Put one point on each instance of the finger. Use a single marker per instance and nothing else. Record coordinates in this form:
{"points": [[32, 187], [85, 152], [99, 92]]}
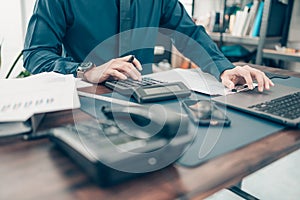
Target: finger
{"points": [[259, 76], [117, 75], [132, 71], [135, 61], [127, 61], [228, 83], [235, 76], [247, 76], [127, 68], [260, 81], [263, 81], [268, 82], [137, 64]]}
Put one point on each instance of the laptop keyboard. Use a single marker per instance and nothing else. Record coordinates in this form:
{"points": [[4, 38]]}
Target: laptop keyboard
{"points": [[287, 106]]}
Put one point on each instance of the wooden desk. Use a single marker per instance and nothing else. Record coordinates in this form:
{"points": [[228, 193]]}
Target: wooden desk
{"points": [[37, 170]]}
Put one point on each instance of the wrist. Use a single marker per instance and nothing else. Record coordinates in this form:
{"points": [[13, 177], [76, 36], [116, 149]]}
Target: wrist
{"points": [[83, 68], [222, 75]]}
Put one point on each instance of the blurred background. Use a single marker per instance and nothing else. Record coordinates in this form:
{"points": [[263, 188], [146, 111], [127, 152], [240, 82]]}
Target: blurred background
{"points": [[14, 16]]}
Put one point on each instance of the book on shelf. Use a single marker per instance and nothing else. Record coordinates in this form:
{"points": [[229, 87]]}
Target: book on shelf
{"points": [[242, 22], [251, 17], [238, 23], [257, 22], [246, 22], [245, 19], [232, 22]]}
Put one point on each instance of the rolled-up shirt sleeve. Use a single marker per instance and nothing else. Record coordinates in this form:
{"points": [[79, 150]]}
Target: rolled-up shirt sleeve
{"points": [[43, 42], [192, 40]]}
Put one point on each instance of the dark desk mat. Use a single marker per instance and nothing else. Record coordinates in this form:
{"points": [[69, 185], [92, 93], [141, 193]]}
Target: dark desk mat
{"points": [[213, 141], [245, 129]]}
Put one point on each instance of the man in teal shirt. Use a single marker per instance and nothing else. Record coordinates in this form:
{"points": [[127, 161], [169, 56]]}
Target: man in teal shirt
{"points": [[64, 34]]}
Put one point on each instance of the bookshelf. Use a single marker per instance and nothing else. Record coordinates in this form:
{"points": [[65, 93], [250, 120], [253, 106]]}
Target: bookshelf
{"points": [[273, 54], [269, 33], [244, 40]]}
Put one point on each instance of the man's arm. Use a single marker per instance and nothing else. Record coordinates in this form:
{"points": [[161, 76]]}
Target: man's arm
{"points": [[43, 46], [192, 40], [43, 43], [195, 43]]}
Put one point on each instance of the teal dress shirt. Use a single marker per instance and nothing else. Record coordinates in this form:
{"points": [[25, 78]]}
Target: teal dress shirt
{"points": [[63, 33]]}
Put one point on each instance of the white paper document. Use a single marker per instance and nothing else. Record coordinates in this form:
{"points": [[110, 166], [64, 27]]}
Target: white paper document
{"points": [[82, 84], [194, 79], [45, 92]]}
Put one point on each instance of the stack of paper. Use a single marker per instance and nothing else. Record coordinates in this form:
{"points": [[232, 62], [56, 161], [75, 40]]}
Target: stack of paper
{"points": [[45, 92]]}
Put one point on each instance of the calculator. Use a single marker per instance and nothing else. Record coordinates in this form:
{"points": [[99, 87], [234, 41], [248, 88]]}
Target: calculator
{"points": [[149, 90]]}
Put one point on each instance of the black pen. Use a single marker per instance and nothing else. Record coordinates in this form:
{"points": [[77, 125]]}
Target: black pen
{"points": [[131, 59]]}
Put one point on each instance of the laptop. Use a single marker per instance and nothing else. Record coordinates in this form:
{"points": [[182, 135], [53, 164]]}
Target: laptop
{"points": [[280, 104]]}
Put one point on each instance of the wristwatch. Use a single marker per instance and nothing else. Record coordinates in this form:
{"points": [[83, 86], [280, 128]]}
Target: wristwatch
{"points": [[84, 67]]}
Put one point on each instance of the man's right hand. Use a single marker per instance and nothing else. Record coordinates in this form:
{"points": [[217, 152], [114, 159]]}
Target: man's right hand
{"points": [[118, 68]]}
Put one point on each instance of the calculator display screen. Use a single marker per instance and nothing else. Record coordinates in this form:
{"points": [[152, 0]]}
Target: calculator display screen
{"points": [[162, 89]]}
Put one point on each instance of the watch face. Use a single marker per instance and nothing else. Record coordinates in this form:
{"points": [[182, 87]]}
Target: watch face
{"points": [[83, 67]]}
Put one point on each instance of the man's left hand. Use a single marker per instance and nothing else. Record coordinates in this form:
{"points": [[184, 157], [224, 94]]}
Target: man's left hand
{"points": [[245, 75]]}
